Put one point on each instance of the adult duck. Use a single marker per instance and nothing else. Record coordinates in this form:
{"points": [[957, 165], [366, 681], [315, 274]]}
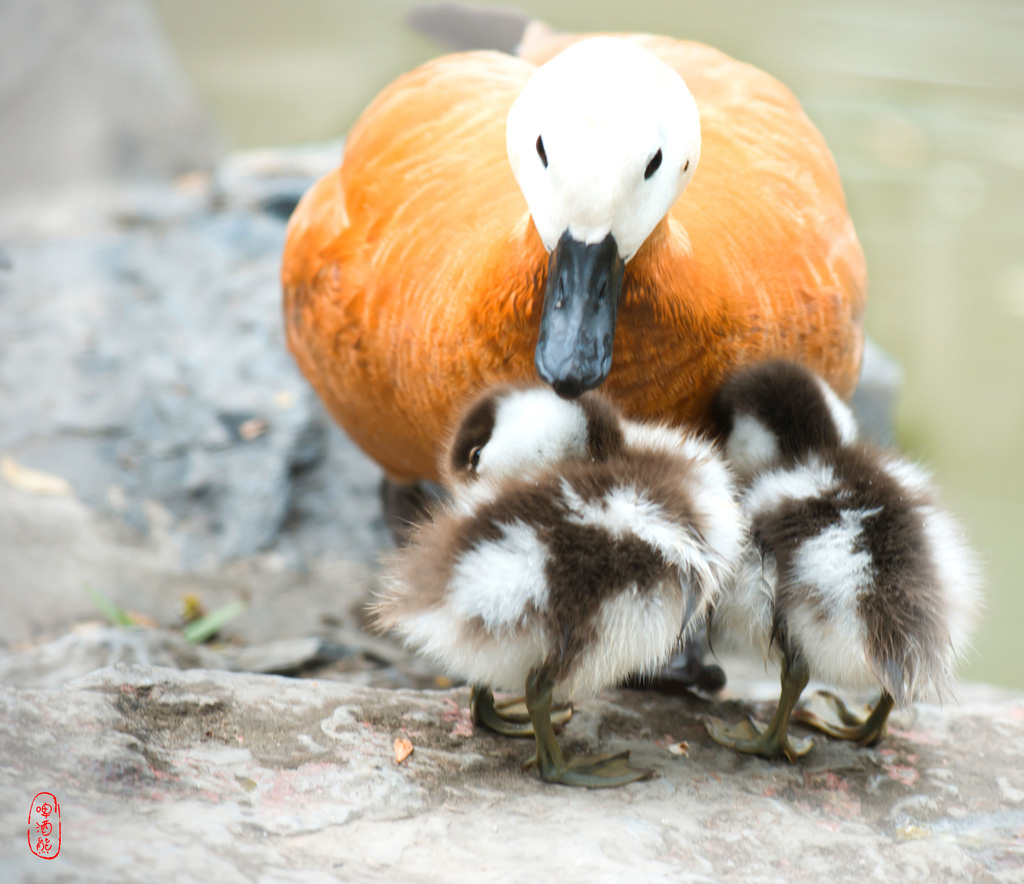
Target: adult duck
{"points": [[498, 217]]}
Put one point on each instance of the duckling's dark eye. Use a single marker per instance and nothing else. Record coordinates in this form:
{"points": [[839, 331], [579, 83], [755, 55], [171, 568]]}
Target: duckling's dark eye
{"points": [[652, 166], [540, 151], [474, 457]]}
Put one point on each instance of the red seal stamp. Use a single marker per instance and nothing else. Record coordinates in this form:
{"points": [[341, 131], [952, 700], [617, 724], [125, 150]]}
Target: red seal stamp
{"points": [[44, 826]]}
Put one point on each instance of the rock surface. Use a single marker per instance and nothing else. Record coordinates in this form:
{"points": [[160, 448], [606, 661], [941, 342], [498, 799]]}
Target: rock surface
{"points": [[142, 361], [209, 776]]}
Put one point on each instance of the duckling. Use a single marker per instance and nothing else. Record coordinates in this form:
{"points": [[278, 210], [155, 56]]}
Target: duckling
{"points": [[855, 575], [531, 429], [575, 551]]}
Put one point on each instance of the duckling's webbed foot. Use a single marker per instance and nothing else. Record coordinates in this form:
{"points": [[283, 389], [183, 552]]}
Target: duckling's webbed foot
{"points": [[753, 738], [774, 740], [593, 772], [510, 718], [846, 724]]}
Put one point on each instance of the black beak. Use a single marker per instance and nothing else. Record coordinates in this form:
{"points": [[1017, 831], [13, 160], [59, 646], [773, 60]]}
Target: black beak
{"points": [[577, 326]]}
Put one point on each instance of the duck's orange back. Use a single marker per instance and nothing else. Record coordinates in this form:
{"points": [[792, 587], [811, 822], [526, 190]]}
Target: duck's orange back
{"points": [[413, 276]]}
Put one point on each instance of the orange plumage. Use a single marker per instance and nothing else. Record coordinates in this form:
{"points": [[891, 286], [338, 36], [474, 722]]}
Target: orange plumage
{"points": [[413, 275]]}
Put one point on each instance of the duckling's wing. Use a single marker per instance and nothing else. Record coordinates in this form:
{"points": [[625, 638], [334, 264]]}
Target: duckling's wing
{"points": [[920, 632]]}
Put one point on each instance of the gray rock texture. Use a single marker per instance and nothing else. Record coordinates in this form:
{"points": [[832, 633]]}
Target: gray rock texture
{"points": [[142, 360], [210, 776], [342, 653]]}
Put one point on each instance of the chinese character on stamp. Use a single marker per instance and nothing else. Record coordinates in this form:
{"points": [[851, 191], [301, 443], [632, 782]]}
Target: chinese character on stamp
{"points": [[44, 826]]}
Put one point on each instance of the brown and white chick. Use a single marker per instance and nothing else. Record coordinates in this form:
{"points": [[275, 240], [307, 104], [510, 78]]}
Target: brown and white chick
{"points": [[576, 549], [855, 576]]}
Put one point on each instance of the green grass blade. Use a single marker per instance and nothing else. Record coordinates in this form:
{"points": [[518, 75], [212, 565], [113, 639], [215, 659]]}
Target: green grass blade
{"points": [[117, 616], [205, 627]]}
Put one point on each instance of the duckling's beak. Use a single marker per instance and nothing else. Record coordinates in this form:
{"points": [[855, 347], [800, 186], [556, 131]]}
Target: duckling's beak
{"points": [[577, 326]]}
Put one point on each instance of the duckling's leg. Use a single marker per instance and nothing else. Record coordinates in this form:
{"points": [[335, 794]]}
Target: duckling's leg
{"points": [[509, 718], [594, 772], [850, 726], [773, 741]]}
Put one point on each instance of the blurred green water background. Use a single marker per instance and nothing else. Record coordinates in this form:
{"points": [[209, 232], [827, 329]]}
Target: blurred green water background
{"points": [[923, 106]]}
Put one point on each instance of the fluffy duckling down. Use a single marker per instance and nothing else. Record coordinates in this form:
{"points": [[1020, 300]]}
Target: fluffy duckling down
{"points": [[855, 574], [575, 551]]}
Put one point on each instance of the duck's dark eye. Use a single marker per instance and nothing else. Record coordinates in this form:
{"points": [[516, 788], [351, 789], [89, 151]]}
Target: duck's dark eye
{"points": [[686, 165], [540, 151], [652, 166], [474, 457]]}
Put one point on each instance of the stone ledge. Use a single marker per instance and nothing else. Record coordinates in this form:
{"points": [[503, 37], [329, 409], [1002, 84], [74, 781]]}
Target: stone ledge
{"points": [[232, 777]]}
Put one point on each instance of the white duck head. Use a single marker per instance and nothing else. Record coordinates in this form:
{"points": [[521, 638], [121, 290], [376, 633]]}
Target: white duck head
{"points": [[602, 140]]}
